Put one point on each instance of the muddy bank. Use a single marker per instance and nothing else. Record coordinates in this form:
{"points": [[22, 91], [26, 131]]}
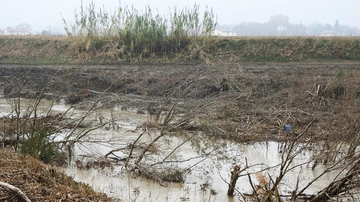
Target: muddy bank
{"points": [[237, 101], [159, 80]]}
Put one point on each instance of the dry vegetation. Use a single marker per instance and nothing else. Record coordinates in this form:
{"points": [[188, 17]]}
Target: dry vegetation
{"points": [[242, 102], [204, 77], [34, 49], [129, 36], [65, 50], [40, 182]]}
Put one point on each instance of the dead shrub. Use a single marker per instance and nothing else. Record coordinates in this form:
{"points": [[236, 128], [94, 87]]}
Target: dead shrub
{"points": [[73, 98]]}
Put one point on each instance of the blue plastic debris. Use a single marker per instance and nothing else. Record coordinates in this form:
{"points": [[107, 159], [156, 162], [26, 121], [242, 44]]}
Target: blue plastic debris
{"points": [[287, 128]]}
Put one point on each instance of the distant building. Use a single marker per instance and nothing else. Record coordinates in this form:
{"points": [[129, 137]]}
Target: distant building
{"points": [[1, 32], [223, 33], [328, 33], [11, 31], [21, 30], [281, 28]]}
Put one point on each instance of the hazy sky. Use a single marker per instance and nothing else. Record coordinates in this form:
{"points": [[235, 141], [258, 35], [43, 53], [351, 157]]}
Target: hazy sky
{"points": [[44, 14]]}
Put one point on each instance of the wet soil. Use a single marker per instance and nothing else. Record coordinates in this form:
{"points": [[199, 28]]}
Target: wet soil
{"points": [[159, 80], [242, 99], [242, 102]]}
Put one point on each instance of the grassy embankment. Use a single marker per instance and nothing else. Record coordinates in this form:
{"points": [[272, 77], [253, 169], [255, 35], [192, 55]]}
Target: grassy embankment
{"points": [[68, 50], [128, 36]]}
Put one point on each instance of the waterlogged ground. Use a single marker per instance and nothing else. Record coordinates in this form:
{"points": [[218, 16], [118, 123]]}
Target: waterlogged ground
{"points": [[115, 182], [209, 169], [237, 102]]}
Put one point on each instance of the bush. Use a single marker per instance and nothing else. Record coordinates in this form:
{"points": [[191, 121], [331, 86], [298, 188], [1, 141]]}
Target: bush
{"points": [[40, 147], [72, 98]]}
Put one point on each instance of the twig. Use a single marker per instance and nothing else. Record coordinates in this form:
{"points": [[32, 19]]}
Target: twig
{"points": [[132, 147], [164, 160]]}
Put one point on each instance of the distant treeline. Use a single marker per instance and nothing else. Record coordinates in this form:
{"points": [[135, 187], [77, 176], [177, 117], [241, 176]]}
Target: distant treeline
{"points": [[279, 25]]}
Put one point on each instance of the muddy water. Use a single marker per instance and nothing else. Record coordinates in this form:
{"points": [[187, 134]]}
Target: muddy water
{"points": [[115, 182], [212, 169]]}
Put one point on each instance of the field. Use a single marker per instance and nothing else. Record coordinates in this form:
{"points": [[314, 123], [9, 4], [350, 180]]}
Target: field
{"points": [[244, 89]]}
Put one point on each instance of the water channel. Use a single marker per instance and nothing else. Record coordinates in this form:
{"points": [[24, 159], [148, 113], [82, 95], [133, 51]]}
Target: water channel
{"points": [[210, 162]]}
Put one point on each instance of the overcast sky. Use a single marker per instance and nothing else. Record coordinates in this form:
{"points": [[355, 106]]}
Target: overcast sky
{"points": [[44, 14]]}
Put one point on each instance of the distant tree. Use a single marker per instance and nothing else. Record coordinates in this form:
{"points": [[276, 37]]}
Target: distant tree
{"points": [[315, 29], [46, 32], [279, 20], [23, 28], [337, 27], [270, 28], [223, 27], [252, 29], [296, 30], [348, 31], [328, 27]]}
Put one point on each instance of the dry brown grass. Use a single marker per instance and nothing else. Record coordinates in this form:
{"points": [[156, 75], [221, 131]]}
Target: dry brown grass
{"points": [[34, 49], [260, 101], [61, 49], [262, 179], [33, 37], [41, 182]]}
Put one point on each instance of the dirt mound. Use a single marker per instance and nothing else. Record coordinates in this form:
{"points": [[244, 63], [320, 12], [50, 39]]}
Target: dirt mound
{"points": [[40, 182]]}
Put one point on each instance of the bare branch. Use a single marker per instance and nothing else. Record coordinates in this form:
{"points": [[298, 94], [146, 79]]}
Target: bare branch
{"points": [[16, 190]]}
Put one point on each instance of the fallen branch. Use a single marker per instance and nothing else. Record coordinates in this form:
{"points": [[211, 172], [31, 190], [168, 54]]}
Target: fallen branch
{"points": [[331, 102], [16, 190], [337, 187]]}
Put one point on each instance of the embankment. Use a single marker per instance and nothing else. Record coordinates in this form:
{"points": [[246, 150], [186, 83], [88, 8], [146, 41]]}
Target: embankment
{"points": [[64, 50]]}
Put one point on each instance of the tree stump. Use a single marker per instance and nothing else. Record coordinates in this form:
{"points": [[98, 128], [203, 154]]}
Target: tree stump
{"points": [[234, 177]]}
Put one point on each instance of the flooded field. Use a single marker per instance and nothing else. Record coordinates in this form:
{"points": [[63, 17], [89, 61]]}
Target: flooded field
{"points": [[99, 157], [210, 173], [157, 133]]}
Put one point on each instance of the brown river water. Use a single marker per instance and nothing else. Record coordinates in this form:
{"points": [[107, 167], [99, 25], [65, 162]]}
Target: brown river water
{"points": [[212, 169]]}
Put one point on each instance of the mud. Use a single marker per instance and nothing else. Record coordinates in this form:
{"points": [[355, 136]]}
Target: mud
{"points": [[233, 96], [241, 102], [157, 80]]}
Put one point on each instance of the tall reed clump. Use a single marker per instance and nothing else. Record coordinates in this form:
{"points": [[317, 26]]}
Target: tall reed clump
{"points": [[131, 36]]}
